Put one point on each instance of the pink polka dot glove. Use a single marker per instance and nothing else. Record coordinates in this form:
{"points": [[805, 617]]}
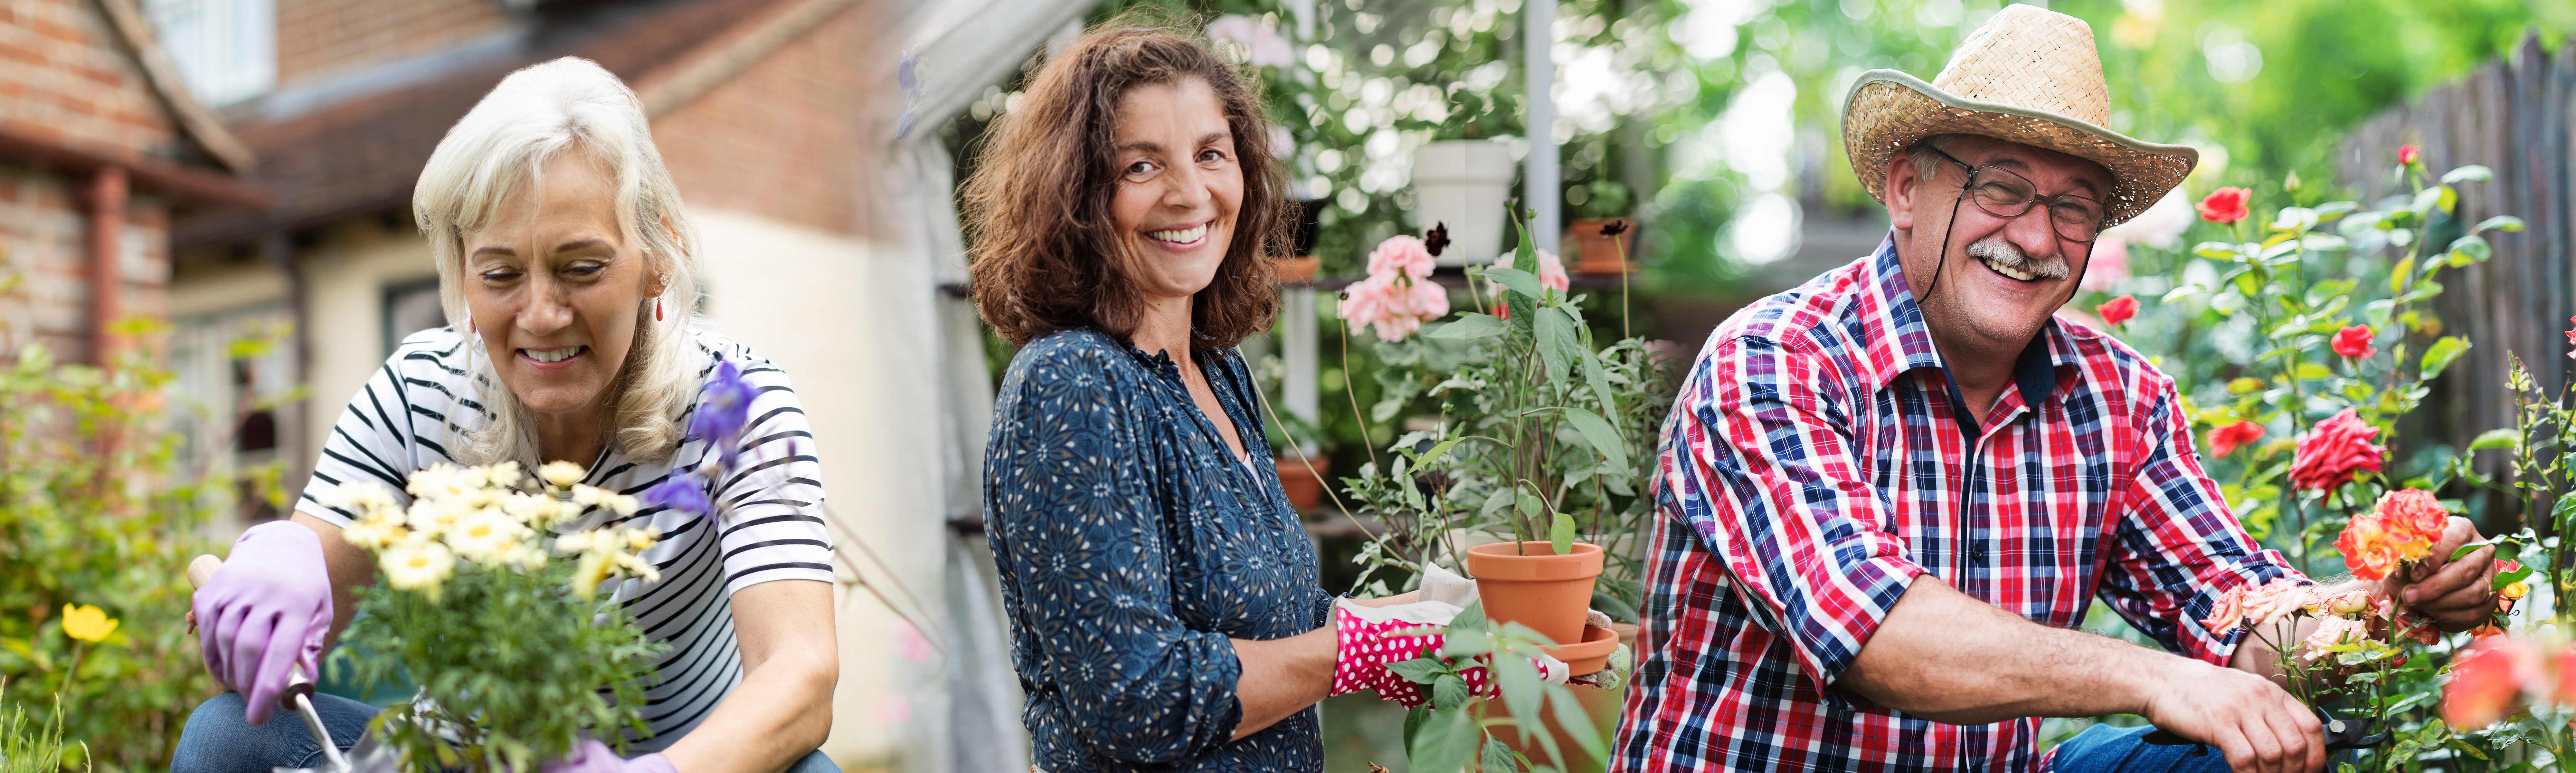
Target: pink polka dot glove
{"points": [[1368, 639]]}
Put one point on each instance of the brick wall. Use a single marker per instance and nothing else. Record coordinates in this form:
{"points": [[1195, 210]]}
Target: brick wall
{"points": [[65, 77], [44, 246], [321, 37], [791, 138]]}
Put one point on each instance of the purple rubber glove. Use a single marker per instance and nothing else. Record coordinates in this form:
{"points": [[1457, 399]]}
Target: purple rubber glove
{"points": [[594, 757], [267, 609]]}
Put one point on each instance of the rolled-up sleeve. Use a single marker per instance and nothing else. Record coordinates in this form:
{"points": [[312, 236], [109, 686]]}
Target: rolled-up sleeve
{"points": [[1768, 480], [1073, 526], [2176, 548]]}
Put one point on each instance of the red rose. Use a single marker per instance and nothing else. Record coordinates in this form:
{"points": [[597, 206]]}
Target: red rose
{"points": [[2224, 206], [2332, 454], [2119, 310], [2354, 342], [2227, 438], [2406, 155]]}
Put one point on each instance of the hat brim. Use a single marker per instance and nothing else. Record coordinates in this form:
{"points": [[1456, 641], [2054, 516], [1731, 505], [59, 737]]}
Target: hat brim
{"points": [[1888, 111]]}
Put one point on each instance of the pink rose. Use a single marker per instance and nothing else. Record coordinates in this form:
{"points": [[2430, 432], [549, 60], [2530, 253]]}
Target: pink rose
{"points": [[2224, 206], [2354, 342]]}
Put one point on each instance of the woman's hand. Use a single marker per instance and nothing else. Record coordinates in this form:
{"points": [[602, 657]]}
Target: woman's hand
{"points": [[265, 611], [594, 757]]}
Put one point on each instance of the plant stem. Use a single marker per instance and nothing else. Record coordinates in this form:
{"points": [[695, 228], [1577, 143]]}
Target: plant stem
{"points": [[1351, 387]]}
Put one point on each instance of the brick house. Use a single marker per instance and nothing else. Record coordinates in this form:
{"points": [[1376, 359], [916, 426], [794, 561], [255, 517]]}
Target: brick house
{"points": [[101, 147]]}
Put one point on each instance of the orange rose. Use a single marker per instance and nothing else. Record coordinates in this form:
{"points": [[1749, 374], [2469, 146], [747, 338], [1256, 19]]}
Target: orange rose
{"points": [[2414, 516], [2482, 686]]}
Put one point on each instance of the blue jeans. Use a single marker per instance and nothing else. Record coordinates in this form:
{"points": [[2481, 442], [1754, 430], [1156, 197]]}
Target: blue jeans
{"points": [[216, 739], [2107, 749]]}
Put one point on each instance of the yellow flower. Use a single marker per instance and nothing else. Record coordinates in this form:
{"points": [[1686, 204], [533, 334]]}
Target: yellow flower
{"points": [[87, 623]]}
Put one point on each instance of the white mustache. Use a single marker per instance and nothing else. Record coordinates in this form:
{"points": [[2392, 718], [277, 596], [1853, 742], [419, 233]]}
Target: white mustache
{"points": [[2000, 250]]}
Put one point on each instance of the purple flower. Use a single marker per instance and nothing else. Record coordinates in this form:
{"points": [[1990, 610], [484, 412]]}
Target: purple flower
{"points": [[680, 492], [720, 417]]}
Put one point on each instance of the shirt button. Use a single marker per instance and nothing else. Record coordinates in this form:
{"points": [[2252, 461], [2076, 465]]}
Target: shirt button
{"points": [[1977, 552]]}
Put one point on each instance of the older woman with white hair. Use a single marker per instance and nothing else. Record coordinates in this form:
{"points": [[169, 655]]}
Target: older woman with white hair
{"points": [[569, 276]]}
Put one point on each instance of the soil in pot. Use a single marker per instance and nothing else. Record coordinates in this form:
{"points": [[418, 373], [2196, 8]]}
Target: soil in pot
{"points": [[1528, 583]]}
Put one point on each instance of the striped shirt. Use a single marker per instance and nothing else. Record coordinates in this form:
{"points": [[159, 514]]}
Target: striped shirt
{"points": [[1818, 461], [420, 404]]}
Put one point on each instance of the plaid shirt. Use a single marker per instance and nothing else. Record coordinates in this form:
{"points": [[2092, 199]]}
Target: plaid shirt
{"points": [[1818, 461]]}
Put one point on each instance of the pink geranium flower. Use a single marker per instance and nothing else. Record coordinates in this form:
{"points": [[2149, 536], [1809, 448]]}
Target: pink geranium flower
{"points": [[1398, 295]]}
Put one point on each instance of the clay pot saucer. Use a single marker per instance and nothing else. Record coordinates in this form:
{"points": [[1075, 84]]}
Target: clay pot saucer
{"points": [[1591, 654]]}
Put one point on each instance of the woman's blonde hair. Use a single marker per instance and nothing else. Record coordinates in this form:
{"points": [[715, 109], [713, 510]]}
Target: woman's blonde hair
{"points": [[568, 105]]}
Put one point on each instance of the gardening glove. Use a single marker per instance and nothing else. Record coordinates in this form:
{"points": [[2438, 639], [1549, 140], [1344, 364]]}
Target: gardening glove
{"points": [[1446, 586], [1368, 639], [594, 757], [265, 611]]}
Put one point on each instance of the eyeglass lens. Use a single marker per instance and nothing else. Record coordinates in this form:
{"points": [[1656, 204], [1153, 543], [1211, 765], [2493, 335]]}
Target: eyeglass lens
{"points": [[2003, 193]]}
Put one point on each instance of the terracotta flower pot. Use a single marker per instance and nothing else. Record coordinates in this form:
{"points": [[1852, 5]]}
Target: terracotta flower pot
{"points": [[1297, 269], [1528, 583], [1305, 488], [1602, 706], [1597, 254]]}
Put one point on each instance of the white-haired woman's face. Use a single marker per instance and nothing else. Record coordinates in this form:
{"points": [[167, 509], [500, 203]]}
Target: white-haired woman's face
{"points": [[553, 286]]}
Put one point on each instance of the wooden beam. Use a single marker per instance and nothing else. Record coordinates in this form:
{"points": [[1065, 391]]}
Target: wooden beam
{"points": [[183, 184]]}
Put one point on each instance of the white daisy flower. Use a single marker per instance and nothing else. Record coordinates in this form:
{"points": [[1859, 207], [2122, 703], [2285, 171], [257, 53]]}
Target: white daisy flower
{"points": [[561, 474], [418, 566], [486, 537]]}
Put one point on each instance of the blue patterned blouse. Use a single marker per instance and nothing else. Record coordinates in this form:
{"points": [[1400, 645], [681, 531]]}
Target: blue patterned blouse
{"points": [[1132, 545]]}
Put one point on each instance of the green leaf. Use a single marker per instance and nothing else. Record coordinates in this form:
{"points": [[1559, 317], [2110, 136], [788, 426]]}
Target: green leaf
{"points": [[2309, 371], [2441, 353], [1448, 692], [1599, 377], [1419, 670], [1518, 678], [2426, 200], [2472, 173], [1556, 342], [2215, 250], [1413, 719], [2507, 439], [2473, 246], [2508, 578], [1561, 532], [2335, 209], [1470, 619], [1497, 757], [1438, 450], [1445, 741], [1598, 431], [1571, 719], [1518, 281], [2505, 223], [1469, 327], [2397, 274]]}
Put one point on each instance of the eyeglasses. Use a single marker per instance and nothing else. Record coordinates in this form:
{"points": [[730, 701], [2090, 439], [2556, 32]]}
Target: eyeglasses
{"points": [[2006, 194]]}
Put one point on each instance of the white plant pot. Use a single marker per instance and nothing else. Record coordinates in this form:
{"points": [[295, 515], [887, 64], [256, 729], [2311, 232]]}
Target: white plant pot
{"points": [[1464, 184]]}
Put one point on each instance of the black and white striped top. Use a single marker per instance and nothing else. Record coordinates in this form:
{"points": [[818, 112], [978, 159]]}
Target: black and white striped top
{"points": [[421, 403]]}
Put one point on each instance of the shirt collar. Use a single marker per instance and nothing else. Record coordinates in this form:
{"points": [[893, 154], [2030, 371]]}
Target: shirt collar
{"points": [[1899, 340]]}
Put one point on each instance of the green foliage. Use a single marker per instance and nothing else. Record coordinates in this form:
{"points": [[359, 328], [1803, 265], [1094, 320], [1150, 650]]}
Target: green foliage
{"points": [[1443, 735], [512, 650], [28, 745], [96, 510], [1544, 435]]}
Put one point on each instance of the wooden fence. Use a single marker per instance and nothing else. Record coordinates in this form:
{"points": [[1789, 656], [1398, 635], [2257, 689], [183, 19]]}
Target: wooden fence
{"points": [[2513, 116]]}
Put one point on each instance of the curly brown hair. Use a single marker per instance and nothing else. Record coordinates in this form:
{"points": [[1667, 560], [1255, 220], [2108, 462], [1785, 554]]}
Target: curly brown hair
{"points": [[1046, 254]]}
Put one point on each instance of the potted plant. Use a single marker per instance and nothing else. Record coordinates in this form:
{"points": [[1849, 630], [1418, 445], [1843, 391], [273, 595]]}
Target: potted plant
{"points": [[1541, 452], [1599, 240], [1464, 183]]}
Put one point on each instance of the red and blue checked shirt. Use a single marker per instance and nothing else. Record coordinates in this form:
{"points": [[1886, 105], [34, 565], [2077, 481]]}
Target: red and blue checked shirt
{"points": [[1817, 462]]}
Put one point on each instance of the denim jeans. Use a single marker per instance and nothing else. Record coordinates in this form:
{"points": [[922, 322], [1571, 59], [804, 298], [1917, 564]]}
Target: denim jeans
{"points": [[216, 739], [2107, 749]]}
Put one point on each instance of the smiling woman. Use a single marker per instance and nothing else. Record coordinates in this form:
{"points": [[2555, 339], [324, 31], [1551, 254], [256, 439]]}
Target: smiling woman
{"points": [[567, 272]]}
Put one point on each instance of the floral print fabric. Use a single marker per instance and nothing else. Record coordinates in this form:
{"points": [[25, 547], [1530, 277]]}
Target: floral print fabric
{"points": [[1132, 545]]}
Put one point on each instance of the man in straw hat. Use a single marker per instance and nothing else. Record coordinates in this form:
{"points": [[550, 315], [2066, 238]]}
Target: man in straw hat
{"points": [[1890, 495]]}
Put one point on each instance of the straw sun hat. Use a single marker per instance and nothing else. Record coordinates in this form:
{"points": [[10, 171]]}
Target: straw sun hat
{"points": [[2031, 76]]}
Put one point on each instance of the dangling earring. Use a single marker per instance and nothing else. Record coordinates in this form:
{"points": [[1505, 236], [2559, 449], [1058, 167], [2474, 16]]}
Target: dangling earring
{"points": [[657, 309], [469, 327]]}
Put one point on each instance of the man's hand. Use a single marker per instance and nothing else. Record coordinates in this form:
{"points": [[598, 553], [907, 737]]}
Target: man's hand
{"points": [[2457, 595], [2257, 725]]}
